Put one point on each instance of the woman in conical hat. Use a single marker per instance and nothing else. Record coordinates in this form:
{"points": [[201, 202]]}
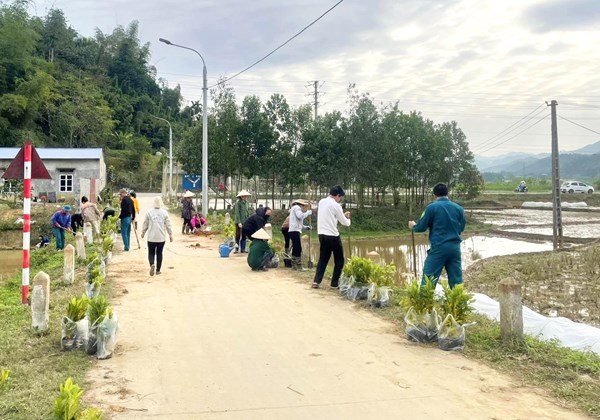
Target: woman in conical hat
{"points": [[260, 254]]}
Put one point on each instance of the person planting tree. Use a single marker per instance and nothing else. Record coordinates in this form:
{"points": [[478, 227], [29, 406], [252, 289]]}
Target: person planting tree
{"points": [[445, 221], [260, 254], [329, 214], [255, 222], [61, 221], [298, 213]]}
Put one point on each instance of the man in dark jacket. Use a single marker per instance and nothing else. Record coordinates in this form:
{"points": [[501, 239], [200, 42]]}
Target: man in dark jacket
{"points": [[256, 221], [127, 215], [445, 221]]}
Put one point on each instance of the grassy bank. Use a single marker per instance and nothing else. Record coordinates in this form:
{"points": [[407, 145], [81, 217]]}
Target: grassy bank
{"points": [[36, 363]]}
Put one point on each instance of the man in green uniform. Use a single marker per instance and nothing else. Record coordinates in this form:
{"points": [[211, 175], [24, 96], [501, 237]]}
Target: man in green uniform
{"points": [[260, 254], [445, 221]]}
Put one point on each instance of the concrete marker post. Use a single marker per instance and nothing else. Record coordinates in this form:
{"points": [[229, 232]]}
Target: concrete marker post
{"points": [[511, 310], [69, 264]]}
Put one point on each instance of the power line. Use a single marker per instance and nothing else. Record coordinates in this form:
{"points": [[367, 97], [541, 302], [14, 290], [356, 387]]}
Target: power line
{"points": [[508, 129], [579, 125], [516, 135], [282, 45]]}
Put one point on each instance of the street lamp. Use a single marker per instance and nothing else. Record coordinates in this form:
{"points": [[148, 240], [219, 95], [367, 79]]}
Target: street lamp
{"points": [[170, 156], [204, 126]]}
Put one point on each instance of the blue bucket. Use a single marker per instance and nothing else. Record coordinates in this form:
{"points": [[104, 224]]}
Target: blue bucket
{"points": [[224, 250]]}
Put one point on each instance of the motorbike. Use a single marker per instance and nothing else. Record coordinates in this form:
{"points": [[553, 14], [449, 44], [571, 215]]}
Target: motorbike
{"points": [[521, 189]]}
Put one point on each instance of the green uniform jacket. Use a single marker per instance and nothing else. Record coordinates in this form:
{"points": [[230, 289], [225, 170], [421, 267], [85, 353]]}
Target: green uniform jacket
{"points": [[259, 250], [240, 212], [445, 221]]}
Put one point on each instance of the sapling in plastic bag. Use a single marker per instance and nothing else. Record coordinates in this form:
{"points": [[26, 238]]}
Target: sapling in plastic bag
{"points": [[451, 335], [422, 328], [96, 268], [106, 336], [345, 284], [378, 296], [358, 292], [92, 290], [74, 334]]}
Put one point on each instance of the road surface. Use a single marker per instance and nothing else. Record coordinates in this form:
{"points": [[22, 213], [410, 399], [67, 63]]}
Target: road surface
{"points": [[210, 339]]}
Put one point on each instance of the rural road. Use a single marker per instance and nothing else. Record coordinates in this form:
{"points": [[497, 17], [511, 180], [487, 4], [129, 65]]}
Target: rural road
{"points": [[210, 339]]}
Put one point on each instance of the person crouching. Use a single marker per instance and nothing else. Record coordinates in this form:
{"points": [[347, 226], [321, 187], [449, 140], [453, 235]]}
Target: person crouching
{"points": [[260, 254]]}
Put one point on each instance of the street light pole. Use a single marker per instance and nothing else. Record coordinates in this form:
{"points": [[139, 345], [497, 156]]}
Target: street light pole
{"points": [[204, 125], [170, 156]]}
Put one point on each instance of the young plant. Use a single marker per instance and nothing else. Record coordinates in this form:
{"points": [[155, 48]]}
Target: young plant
{"points": [[97, 310], [66, 404], [420, 297], [107, 245], [457, 302], [77, 308], [360, 268], [90, 413], [383, 275]]}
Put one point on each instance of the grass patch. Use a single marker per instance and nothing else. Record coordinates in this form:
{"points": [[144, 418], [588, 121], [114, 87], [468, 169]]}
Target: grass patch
{"points": [[36, 363]]}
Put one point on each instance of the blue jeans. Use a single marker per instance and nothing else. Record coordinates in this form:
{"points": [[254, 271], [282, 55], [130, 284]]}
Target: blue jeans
{"points": [[126, 231], [59, 234], [444, 256]]}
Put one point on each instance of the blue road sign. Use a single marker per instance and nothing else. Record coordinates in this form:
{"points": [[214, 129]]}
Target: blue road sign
{"points": [[192, 182]]}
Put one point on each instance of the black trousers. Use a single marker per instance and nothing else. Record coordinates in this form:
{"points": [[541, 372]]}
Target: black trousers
{"points": [[286, 237], [240, 235], [155, 249], [296, 244], [330, 245]]}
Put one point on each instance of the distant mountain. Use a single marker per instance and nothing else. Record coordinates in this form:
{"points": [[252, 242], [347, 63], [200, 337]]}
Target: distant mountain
{"points": [[572, 166], [583, 162], [496, 163], [590, 149]]}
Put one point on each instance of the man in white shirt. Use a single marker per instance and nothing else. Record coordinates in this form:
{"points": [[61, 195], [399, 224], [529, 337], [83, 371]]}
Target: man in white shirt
{"points": [[329, 214]]}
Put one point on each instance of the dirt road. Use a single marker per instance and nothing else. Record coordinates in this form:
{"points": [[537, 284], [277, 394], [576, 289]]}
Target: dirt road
{"points": [[209, 339]]}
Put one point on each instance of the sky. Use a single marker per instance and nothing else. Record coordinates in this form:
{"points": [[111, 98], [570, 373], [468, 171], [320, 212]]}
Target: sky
{"points": [[489, 65]]}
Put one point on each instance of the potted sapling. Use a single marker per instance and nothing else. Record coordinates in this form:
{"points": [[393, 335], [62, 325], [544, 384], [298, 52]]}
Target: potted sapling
{"points": [[97, 310], [106, 335], [107, 247], [361, 270], [382, 279], [422, 319], [456, 306], [75, 327], [92, 288]]}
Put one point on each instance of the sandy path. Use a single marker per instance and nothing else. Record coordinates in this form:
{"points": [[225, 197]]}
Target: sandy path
{"points": [[209, 339]]}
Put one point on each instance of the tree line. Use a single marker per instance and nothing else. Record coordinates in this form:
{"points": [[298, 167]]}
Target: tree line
{"points": [[61, 89]]}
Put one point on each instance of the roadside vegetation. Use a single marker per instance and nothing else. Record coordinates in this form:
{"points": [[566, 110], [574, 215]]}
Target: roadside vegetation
{"points": [[35, 362]]}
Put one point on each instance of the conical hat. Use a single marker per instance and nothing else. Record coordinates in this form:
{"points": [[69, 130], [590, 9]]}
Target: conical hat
{"points": [[300, 201], [261, 234], [189, 194], [244, 193]]}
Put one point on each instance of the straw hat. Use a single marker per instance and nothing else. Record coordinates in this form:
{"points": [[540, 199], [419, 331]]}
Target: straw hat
{"points": [[261, 234], [300, 201], [244, 193], [188, 194]]}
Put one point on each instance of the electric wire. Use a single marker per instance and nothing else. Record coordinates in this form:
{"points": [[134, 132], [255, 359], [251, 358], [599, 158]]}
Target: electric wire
{"points": [[515, 136], [578, 125], [280, 46], [509, 129]]}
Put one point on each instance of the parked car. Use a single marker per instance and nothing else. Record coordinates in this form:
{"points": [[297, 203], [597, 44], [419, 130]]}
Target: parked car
{"points": [[576, 187]]}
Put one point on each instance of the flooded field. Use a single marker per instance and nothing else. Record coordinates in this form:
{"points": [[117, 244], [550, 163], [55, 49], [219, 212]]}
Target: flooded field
{"points": [[539, 222], [399, 251], [10, 262]]}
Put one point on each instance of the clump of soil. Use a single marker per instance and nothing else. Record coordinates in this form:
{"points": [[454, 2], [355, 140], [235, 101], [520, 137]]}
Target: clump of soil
{"points": [[554, 283]]}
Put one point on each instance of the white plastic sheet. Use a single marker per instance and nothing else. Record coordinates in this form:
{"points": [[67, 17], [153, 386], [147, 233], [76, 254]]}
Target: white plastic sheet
{"points": [[548, 205], [570, 334]]}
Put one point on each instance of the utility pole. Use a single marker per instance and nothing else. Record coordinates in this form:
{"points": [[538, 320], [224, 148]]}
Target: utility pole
{"points": [[557, 230], [315, 85]]}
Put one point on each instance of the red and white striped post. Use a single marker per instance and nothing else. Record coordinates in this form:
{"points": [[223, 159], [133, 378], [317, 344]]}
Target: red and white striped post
{"points": [[26, 221]]}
